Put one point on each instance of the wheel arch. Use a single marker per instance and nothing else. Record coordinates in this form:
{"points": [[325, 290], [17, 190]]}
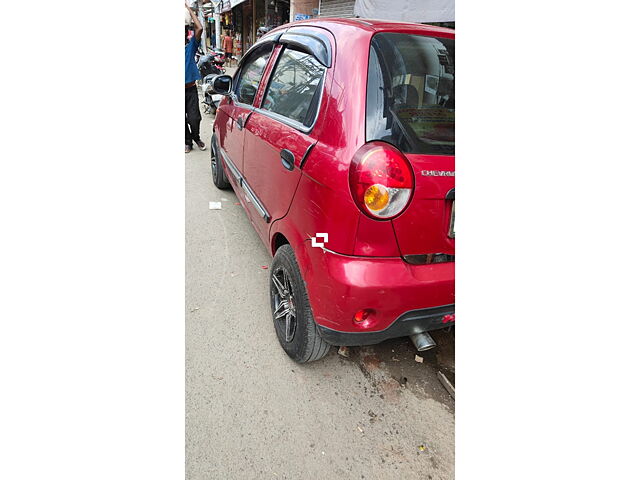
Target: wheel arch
{"points": [[284, 232], [277, 241]]}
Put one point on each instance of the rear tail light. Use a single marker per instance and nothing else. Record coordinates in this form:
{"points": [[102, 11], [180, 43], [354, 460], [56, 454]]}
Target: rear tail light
{"points": [[381, 180]]}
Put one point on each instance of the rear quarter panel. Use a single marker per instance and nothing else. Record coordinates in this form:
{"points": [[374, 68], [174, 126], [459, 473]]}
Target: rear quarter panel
{"points": [[323, 203]]}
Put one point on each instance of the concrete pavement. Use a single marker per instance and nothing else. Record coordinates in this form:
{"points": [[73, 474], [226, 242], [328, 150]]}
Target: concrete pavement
{"points": [[251, 412]]}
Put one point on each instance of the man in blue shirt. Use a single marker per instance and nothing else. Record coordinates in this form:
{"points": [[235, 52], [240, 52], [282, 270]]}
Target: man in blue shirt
{"points": [[191, 74]]}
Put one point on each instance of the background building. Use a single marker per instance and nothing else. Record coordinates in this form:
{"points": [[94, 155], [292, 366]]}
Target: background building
{"points": [[337, 8], [244, 18], [420, 11], [438, 12]]}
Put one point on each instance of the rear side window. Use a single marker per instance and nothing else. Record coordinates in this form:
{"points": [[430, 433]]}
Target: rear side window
{"points": [[294, 90], [410, 93], [250, 76]]}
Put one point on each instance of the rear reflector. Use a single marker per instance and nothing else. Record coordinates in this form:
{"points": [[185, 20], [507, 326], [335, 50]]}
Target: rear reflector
{"points": [[364, 318]]}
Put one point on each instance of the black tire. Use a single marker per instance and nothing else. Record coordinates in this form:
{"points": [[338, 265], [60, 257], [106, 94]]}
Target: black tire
{"points": [[301, 341], [220, 179]]}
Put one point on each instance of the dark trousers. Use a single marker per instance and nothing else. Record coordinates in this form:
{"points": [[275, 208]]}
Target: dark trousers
{"points": [[192, 115]]}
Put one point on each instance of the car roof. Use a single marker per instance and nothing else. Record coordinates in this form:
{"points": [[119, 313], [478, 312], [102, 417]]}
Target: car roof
{"points": [[372, 25]]}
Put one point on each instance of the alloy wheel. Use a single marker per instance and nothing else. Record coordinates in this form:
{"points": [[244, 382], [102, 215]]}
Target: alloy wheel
{"points": [[213, 160], [284, 308]]}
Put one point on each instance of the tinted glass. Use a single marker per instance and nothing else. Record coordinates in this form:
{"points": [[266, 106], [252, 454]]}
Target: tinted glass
{"points": [[249, 78], [294, 89], [410, 93]]}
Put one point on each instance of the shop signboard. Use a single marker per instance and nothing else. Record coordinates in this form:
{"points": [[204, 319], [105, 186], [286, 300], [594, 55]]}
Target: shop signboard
{"points": [[301, 16]]}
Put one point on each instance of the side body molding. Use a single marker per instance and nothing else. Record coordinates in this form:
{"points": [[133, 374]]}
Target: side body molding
{"points": [[242, 182]]}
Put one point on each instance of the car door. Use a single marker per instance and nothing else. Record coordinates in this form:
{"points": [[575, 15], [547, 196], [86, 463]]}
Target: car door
{"points": [[236, 108], [279, 133]]}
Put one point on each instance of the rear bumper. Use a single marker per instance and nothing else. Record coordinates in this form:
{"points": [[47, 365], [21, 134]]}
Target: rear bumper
{"points": [[403, 298], [410, 323]]}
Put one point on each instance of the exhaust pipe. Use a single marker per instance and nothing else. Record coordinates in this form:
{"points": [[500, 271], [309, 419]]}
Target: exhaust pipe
{"points": [[422, 341]]}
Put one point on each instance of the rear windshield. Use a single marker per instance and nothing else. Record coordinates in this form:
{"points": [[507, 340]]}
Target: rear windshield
{"points": [[410, 93]]}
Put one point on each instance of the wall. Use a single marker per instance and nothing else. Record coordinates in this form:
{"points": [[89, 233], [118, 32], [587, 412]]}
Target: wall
{"points": [[337, 8], [303, 6]]}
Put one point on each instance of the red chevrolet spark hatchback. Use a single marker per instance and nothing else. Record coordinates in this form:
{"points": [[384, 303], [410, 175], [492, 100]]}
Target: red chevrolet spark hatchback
{"points": [[338, 138]]}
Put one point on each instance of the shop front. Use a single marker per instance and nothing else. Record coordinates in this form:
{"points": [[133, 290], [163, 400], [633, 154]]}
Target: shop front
{"points": [[247, 20], [278, 12]]}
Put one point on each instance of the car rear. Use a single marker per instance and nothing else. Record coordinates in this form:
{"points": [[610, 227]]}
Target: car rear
{"points": [[403, 176], [411, 105]]}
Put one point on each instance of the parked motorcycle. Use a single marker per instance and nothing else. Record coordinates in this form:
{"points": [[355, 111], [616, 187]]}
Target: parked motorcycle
{"points": [[208, 65], [219, 59]]}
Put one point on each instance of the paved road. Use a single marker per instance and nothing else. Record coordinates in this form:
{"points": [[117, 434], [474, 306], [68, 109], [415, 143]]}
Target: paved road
{"points": [[253, 413]]}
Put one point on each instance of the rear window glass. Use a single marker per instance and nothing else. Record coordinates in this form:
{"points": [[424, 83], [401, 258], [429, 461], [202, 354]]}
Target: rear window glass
{"points": [[410, 93]]}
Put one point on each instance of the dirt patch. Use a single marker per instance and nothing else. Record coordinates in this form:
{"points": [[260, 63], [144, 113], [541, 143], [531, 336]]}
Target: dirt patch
{"points": [[391, 366], [371, 362], [390, 390]]}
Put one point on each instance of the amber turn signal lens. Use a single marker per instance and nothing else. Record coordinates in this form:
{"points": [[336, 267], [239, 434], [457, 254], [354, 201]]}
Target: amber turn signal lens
{"points": [[376, 197]]}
